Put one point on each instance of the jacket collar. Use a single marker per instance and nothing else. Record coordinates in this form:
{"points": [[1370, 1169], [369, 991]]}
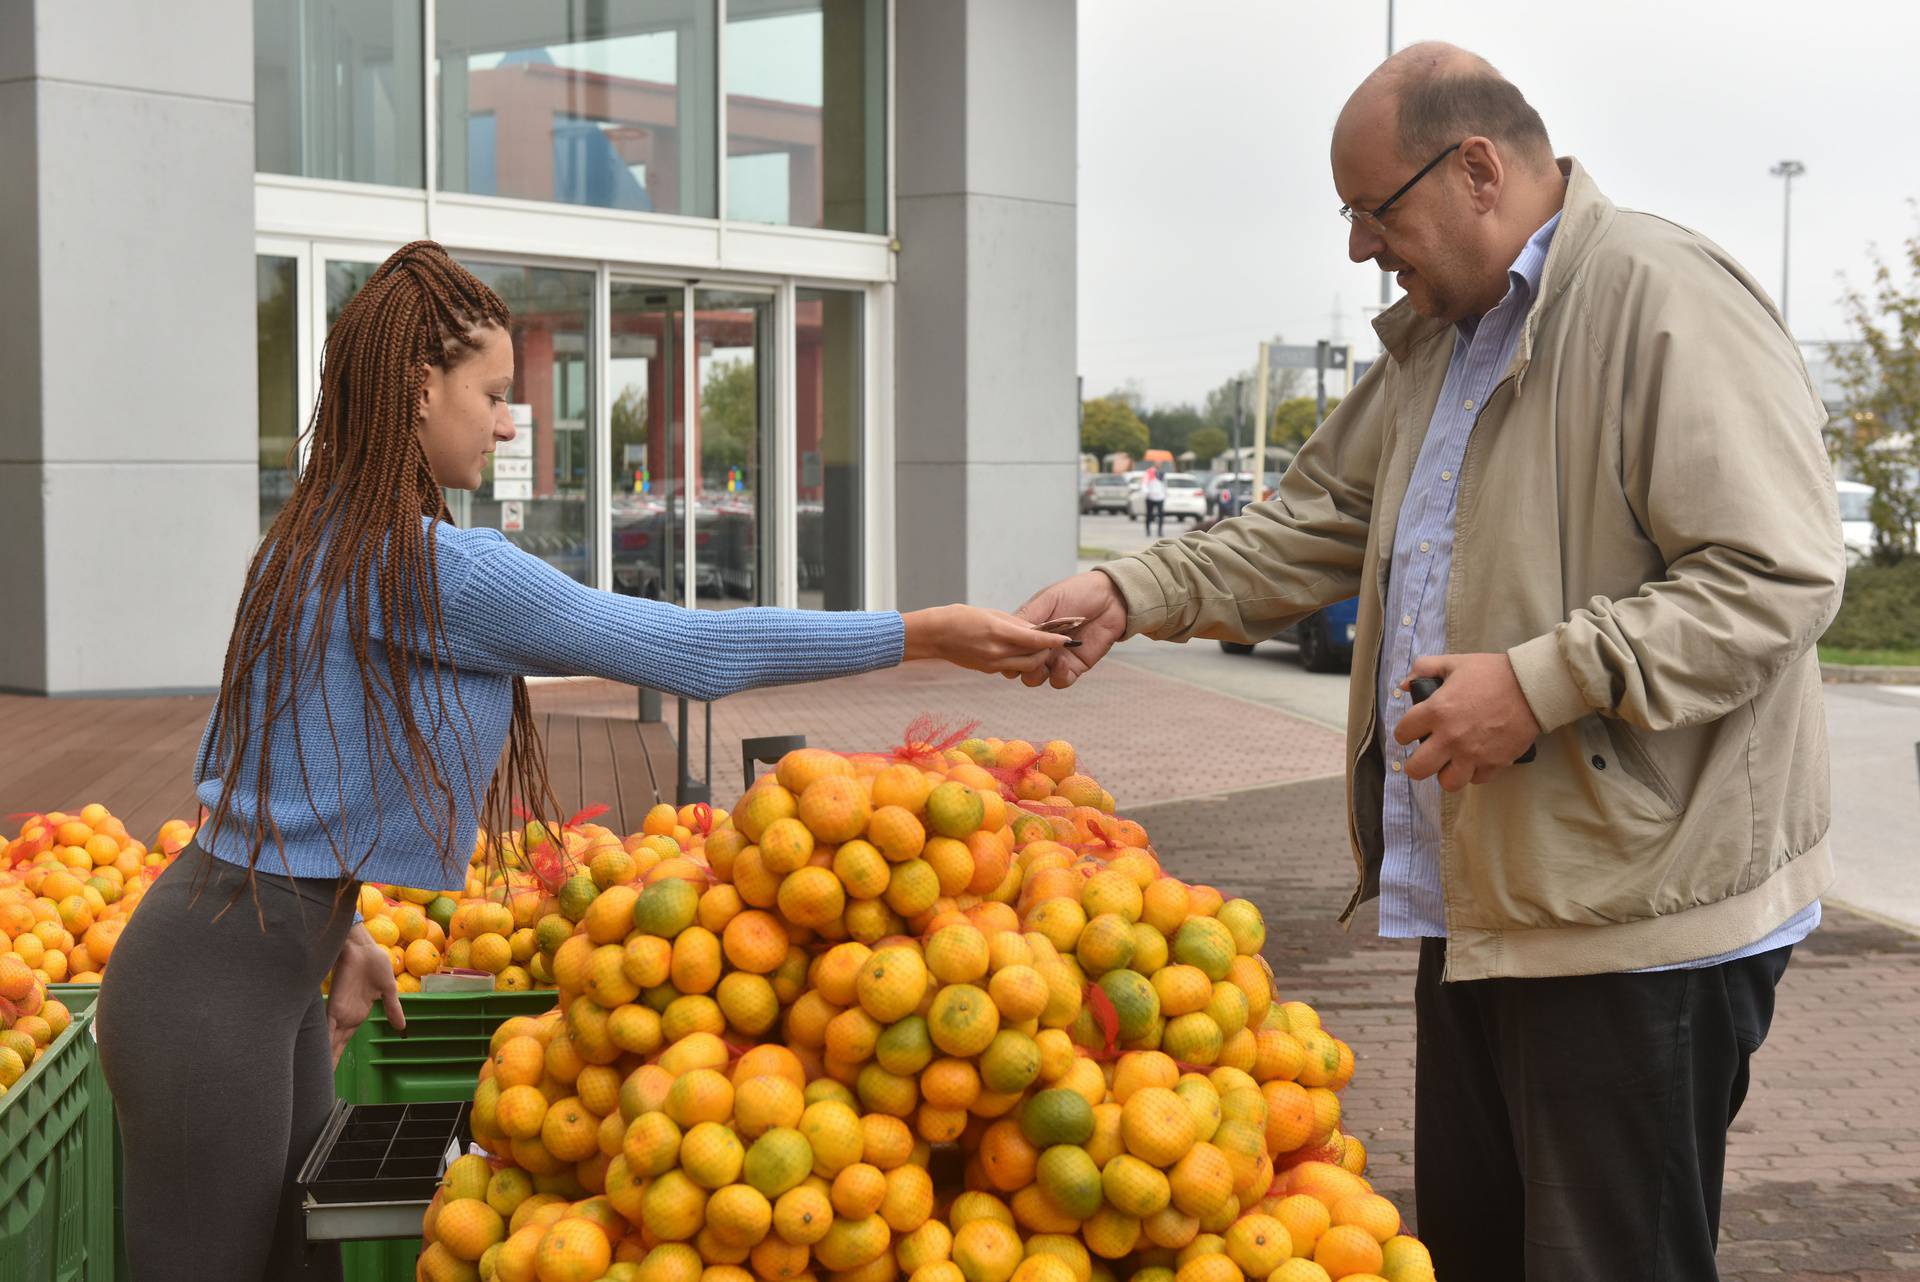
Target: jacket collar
{"points": [[1584, 218]]}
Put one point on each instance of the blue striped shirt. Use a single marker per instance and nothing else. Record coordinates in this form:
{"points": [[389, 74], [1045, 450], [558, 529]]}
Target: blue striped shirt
{"points": [[504, 613], [1412, 904]]}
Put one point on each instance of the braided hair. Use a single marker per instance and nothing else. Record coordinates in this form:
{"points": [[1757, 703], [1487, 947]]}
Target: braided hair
{"points": [[352, 534]]}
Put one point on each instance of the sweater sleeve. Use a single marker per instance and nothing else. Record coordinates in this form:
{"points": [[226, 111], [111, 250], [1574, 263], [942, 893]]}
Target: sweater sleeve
{"points": [[510, 613]]}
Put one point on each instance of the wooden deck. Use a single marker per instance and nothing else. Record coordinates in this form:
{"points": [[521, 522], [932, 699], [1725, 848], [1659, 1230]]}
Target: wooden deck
{"points": [[135, 757]]}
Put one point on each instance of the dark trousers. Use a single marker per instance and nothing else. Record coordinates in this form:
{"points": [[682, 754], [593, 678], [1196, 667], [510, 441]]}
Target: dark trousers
{"points": [[1156, 511], [213, 1038], [1574, 1129]]}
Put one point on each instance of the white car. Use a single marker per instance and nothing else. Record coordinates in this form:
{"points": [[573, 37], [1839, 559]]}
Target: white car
{"points": [[1185, 498], [1856, 526]]}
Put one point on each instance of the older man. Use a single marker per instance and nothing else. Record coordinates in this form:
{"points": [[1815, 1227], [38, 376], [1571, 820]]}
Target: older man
{"points": [[1585, 489]]}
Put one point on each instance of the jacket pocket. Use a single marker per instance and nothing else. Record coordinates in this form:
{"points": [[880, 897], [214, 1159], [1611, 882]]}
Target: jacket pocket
{"points": [[1640, 770]]}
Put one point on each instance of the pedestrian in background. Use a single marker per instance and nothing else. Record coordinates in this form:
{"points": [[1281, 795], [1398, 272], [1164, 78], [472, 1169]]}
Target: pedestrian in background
{"points": [[1586, 487], [1153, 488]]}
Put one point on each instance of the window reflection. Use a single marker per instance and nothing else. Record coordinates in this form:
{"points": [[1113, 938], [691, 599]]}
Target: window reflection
{"points": [[806, 113], [608, 103]]}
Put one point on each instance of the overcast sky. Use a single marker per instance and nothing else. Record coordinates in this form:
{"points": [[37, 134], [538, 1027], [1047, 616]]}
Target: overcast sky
{"points": [[1207, 213]]}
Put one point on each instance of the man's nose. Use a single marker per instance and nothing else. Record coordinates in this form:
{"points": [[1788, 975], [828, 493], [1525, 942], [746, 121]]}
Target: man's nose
{"points": [[1362, 243]]}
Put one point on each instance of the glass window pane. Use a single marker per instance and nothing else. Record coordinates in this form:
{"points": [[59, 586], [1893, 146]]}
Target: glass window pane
{"points": [[830, 395], [277, 311], [535, 486], [731, 565], [806, 113], [336, 86], [587, 102], [646, 377]]}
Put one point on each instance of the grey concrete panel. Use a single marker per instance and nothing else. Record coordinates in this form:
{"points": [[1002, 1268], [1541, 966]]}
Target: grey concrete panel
{"points": [[1021, 99], [173, 575], [1021, 332], [203, 48], [146, 261], [932, 541], [931, 305], [1022, 530], [930, 86], [16, 40], [19, 268], [23, 577]]}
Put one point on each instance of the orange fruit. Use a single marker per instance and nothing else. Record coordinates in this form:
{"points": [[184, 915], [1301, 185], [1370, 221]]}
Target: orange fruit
{"points": [[908, 1203], [811, 896], [1306, 1219], [896, 833], [755, 941], [1368, 1211], [885, 1141], [835, 807], [520, 1112], [573, 1250], [858, 1191], [892, 983], [1347, 1249], [901, 786], [467, 1227], [770, 1060], [570, 1131], [1007, 1157]]}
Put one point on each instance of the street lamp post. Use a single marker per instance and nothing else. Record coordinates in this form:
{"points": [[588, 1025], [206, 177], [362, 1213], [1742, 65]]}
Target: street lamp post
{"points": [[1789, 170]]}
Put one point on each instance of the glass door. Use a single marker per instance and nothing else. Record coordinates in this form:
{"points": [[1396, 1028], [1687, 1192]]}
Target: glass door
{"points": [[646, 382], [732, 433], [689, 473]]}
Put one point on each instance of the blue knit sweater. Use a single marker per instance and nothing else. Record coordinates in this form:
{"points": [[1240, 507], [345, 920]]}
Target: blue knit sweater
{"points": [[504, 613]]}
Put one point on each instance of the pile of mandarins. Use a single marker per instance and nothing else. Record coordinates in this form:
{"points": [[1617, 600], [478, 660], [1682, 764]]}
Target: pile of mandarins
{"points": [[915, 1017], [68, 883]]}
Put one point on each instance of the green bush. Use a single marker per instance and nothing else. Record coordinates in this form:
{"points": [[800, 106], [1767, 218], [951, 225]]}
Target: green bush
{"points": [[1880, 609]]}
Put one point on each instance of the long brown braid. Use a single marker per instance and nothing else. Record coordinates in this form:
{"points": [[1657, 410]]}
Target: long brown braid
{"points": [[352, 530]]}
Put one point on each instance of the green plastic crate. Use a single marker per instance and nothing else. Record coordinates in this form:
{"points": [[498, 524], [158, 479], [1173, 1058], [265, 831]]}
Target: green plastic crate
{"points": [[446, 1042], [76, 998], [437, 1061], [56, 1166]]}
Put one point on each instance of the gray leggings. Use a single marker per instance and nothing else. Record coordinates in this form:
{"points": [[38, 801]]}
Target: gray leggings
{"points": [[213, 1035]]}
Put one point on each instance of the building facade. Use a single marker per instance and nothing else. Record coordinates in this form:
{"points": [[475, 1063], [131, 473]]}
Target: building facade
{"points": [[792, 286]]}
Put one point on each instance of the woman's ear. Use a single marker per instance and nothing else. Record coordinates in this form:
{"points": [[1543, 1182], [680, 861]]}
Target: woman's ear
{"points": [[427, 389]]}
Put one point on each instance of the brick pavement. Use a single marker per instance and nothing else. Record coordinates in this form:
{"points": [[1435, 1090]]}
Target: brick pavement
{"points": [[1823, 1169]]}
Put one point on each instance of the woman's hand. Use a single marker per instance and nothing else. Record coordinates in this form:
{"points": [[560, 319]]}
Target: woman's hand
{"points": [[362, 972], [984, 640]]}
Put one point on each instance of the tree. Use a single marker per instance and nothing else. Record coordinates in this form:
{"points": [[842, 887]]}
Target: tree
{"points": [[1293, 421], [729, 415], [1208, 443], [629, 426], [1108, 427], [1169, 427], [1878, 439]]}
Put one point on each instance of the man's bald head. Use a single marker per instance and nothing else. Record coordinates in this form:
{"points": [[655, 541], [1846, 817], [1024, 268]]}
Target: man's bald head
{"points": [[1431, 95]]}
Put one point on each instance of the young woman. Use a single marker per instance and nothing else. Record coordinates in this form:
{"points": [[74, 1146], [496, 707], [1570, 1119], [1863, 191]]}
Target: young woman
{"points": [[375, 674]]}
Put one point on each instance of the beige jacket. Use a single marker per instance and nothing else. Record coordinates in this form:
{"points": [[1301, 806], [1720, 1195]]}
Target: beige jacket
{"points": [[1647, 526]]}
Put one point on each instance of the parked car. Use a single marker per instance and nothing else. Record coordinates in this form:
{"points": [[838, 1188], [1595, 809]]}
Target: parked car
{"points": [[1242, 486], [1185, 498], [1856, 524], [1324, 638], [1103, 492]]}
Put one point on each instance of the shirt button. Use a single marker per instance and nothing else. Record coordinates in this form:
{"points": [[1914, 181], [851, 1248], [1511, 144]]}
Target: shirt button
{"points": [[1425, 546], [1446, 476], [1469, 405], [1406, 620], [1396, 767]]}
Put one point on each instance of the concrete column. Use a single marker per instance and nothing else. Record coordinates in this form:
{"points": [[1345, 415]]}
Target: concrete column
{"points": [[987, 444], [128, 445]]}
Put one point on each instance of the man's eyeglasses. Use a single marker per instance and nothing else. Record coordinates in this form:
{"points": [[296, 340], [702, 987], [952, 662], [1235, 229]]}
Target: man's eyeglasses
{"points": [[1370, 218]]}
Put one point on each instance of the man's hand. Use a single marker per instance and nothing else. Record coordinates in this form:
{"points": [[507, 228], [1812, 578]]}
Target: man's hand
{"points": [[1091, 595], [362, 972], [1475, 726]]}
